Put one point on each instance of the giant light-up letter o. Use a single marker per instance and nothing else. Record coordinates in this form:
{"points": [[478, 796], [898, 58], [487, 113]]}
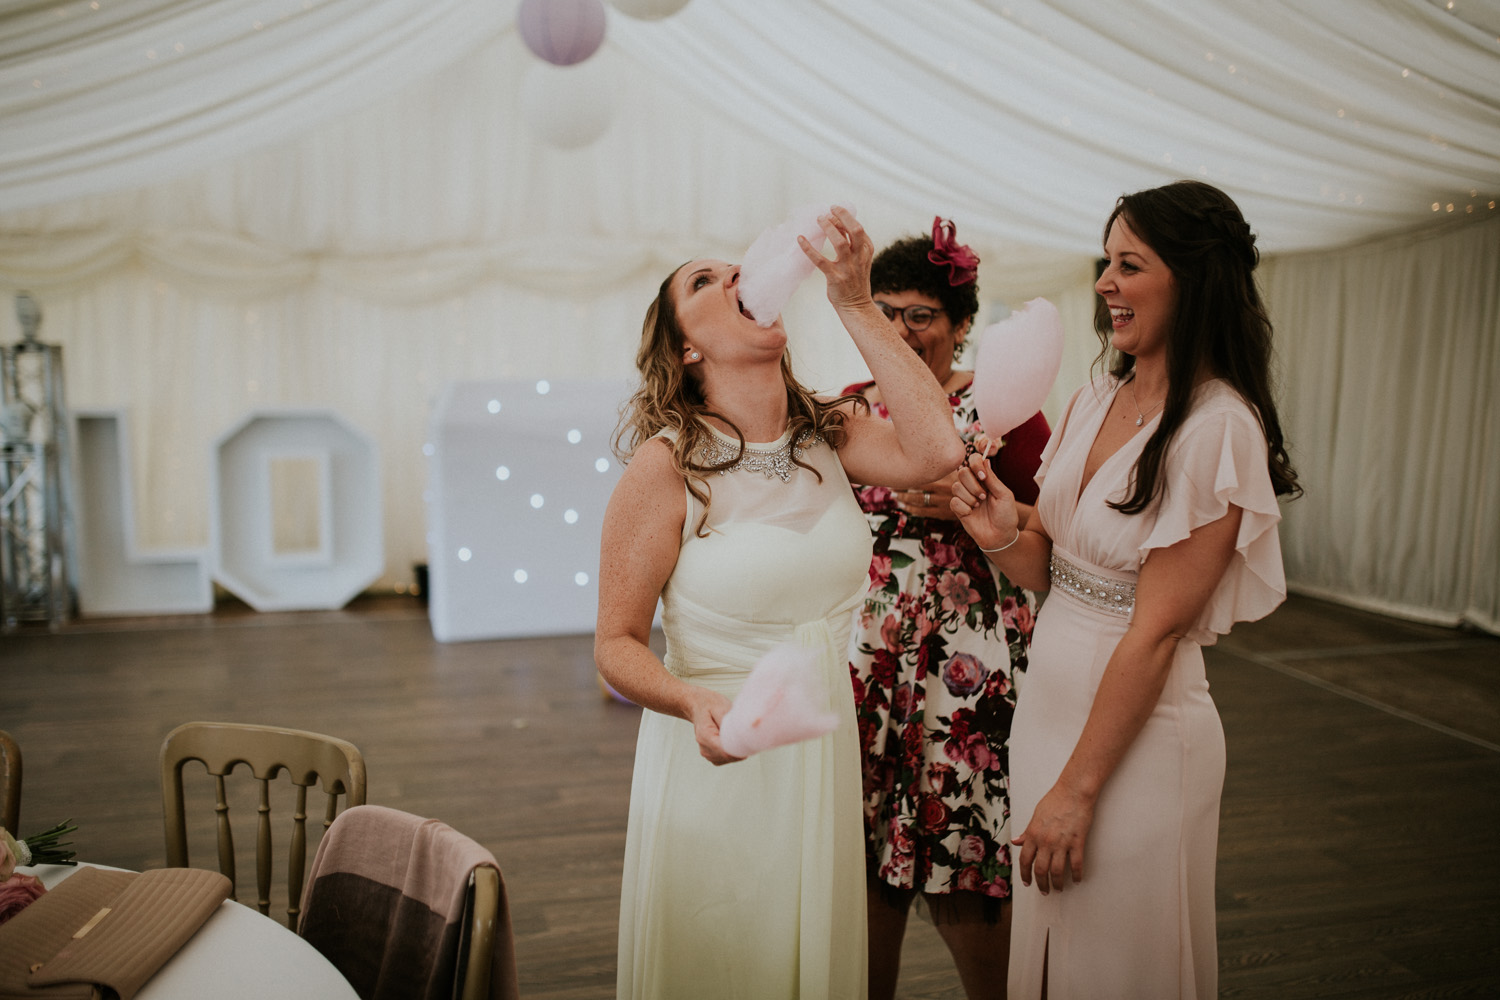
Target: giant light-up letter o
{"points": [[295, 511]]}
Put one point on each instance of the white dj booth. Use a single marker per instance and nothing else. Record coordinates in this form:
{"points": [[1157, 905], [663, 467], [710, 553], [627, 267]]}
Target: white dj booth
{"points": [[519, 474]]}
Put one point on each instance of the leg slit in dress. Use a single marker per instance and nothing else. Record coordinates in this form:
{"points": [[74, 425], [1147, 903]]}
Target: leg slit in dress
{"points": [[1046, 957]]}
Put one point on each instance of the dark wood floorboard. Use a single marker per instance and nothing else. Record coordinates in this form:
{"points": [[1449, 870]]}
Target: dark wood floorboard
{"points": [[1359, 855]]}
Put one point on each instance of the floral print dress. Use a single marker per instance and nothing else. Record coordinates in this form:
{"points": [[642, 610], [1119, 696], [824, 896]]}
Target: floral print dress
{"points": [[937, 653]]}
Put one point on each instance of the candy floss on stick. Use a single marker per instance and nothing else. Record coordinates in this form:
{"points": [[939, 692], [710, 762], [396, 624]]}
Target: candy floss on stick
{"points": [[1018, 361], [775, 265], [781, 702]]}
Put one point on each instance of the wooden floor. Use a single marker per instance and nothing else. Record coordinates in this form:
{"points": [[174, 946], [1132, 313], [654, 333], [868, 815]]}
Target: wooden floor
{"points": [[1359, 854]]}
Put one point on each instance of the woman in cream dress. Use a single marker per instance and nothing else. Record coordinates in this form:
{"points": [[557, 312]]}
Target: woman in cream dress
{"points": [[1156, 531], [745, 878]]}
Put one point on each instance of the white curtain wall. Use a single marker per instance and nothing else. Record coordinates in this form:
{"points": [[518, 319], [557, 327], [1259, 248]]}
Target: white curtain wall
{"points": [[226, 205], [1391, 353]]}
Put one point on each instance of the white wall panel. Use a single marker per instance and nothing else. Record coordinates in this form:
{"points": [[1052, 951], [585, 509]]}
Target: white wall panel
{"points": [[520, 472]]}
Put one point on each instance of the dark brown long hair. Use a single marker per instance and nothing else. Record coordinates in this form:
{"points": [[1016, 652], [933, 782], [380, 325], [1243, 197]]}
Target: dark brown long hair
{"points": [[670, 398], [1220, 325]]}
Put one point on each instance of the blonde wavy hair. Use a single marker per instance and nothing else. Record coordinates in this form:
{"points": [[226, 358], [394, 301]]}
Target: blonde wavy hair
{"points": [[670, 397]]}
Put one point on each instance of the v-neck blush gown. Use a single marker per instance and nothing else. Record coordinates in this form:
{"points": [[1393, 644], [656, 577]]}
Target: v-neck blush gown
{"points": [[1141, 923]]}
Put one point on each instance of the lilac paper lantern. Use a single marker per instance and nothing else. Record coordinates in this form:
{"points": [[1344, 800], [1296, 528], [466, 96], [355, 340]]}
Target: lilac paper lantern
{"points": [[563, 32]]}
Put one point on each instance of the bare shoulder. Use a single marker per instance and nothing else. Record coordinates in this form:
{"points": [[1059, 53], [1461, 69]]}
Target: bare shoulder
{"points": [[650, 488], [652, 465]]}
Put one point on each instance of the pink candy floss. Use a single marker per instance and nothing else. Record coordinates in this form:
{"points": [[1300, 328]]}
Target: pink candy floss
{"points": [[775, 265], [1018, 361], [783, 701]]}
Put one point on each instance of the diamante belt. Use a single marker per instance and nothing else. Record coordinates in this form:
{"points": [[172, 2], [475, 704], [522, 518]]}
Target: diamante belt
{"points": [[1115, 597]]}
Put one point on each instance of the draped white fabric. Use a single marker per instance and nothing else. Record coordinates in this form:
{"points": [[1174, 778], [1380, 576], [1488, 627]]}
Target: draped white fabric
{"points": [[100, 96], [228, 204], [1329, 121], [1391, 355]]}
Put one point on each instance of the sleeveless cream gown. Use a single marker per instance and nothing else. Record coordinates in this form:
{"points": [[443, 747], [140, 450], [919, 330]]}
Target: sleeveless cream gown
{"points": [[747, 880]]}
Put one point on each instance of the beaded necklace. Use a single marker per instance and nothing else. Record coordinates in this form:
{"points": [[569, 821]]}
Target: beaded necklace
{"points": [[776, 460]]}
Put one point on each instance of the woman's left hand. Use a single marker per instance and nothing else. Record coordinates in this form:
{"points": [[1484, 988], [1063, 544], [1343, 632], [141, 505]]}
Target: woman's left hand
{"points": [[706, 712], [848, 273], [931, 500], [1052, 844]]}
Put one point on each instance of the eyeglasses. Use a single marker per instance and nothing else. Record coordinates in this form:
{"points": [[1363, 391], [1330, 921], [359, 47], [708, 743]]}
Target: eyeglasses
{"points": [[916, 318]]}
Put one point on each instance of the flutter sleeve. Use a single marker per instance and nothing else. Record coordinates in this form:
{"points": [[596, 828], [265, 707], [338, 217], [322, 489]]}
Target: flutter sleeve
{"points": [[1218, 459]]}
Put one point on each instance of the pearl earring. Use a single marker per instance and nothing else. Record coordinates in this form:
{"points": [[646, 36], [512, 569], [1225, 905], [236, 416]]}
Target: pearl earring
{"points": [[694, 355]]}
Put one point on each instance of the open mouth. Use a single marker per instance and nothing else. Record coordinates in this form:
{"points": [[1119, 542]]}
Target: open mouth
{"points": [[741, 303], [1119, 315]]}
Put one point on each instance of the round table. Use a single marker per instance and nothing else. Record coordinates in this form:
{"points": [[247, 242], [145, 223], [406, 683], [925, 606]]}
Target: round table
{"points": [[238, 954]]}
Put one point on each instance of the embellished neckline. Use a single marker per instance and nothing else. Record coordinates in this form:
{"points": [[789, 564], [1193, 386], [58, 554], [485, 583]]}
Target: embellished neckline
{"points": [[772, 458], [760, 446]]}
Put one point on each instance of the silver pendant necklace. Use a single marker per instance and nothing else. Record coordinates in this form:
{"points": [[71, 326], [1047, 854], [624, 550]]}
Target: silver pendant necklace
{"points": [[1140, 418]]}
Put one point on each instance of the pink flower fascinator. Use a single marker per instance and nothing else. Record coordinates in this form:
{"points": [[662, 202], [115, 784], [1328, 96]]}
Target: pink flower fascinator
{"points": [[962, 263], [782, 702]]}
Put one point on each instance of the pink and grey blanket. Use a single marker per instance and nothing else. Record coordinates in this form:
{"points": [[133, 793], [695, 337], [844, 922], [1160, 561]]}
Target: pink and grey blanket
{"points": [[385, 904]]}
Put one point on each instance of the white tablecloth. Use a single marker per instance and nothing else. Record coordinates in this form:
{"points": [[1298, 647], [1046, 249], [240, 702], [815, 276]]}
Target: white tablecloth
{"points": [[237, 954]]}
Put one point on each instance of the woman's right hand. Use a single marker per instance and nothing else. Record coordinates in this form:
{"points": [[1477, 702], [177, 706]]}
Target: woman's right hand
{"points": [[1052, 845], [848, 273], [707, 711], [984, 505]]}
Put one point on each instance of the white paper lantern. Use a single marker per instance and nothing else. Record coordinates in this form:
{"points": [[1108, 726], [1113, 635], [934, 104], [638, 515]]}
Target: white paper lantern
{"points": [[569, 107], [563, 32], [649, 10]]}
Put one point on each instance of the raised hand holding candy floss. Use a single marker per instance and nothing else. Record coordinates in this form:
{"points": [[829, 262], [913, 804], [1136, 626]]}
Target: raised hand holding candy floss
{"points": [[774, 265]]}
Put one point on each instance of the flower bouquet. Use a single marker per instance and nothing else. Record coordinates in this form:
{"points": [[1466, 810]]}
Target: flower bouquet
{"points": [[41, 848], [17, 891]]}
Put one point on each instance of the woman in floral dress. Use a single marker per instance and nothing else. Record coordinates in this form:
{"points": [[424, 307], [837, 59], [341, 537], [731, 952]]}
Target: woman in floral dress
{"points": [[936, 656]]}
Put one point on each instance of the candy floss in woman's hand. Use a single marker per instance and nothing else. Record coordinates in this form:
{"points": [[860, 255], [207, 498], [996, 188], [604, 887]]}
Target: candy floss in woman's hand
{"points": [[780, 703], [775, 265], [1018, 361]]}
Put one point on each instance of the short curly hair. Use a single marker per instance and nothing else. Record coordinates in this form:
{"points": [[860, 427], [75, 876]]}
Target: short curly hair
{"points": [[903, 267]]}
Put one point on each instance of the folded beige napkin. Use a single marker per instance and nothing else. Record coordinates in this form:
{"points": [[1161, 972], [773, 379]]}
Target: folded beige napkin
{"points": [[104, 933]]}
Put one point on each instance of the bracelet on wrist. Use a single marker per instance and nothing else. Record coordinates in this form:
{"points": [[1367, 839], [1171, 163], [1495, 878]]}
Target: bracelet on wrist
{"points": [[1005, 546]]}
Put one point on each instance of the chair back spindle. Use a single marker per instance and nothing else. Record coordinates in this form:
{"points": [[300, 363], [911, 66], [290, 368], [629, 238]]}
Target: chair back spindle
{"points": [[308, 759], [10, 783]]}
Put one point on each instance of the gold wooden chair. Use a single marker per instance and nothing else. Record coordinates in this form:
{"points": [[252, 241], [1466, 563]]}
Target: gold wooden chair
{"points": [[308, 759], [10, 783], [481, 916]]}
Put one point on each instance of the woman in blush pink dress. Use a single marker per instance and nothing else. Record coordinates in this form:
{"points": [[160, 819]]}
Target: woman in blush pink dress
{"points": [[1155, 531]]}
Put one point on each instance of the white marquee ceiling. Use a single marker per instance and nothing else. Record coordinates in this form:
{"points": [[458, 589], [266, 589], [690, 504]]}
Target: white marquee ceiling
{"points": [[1330, 120]]}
